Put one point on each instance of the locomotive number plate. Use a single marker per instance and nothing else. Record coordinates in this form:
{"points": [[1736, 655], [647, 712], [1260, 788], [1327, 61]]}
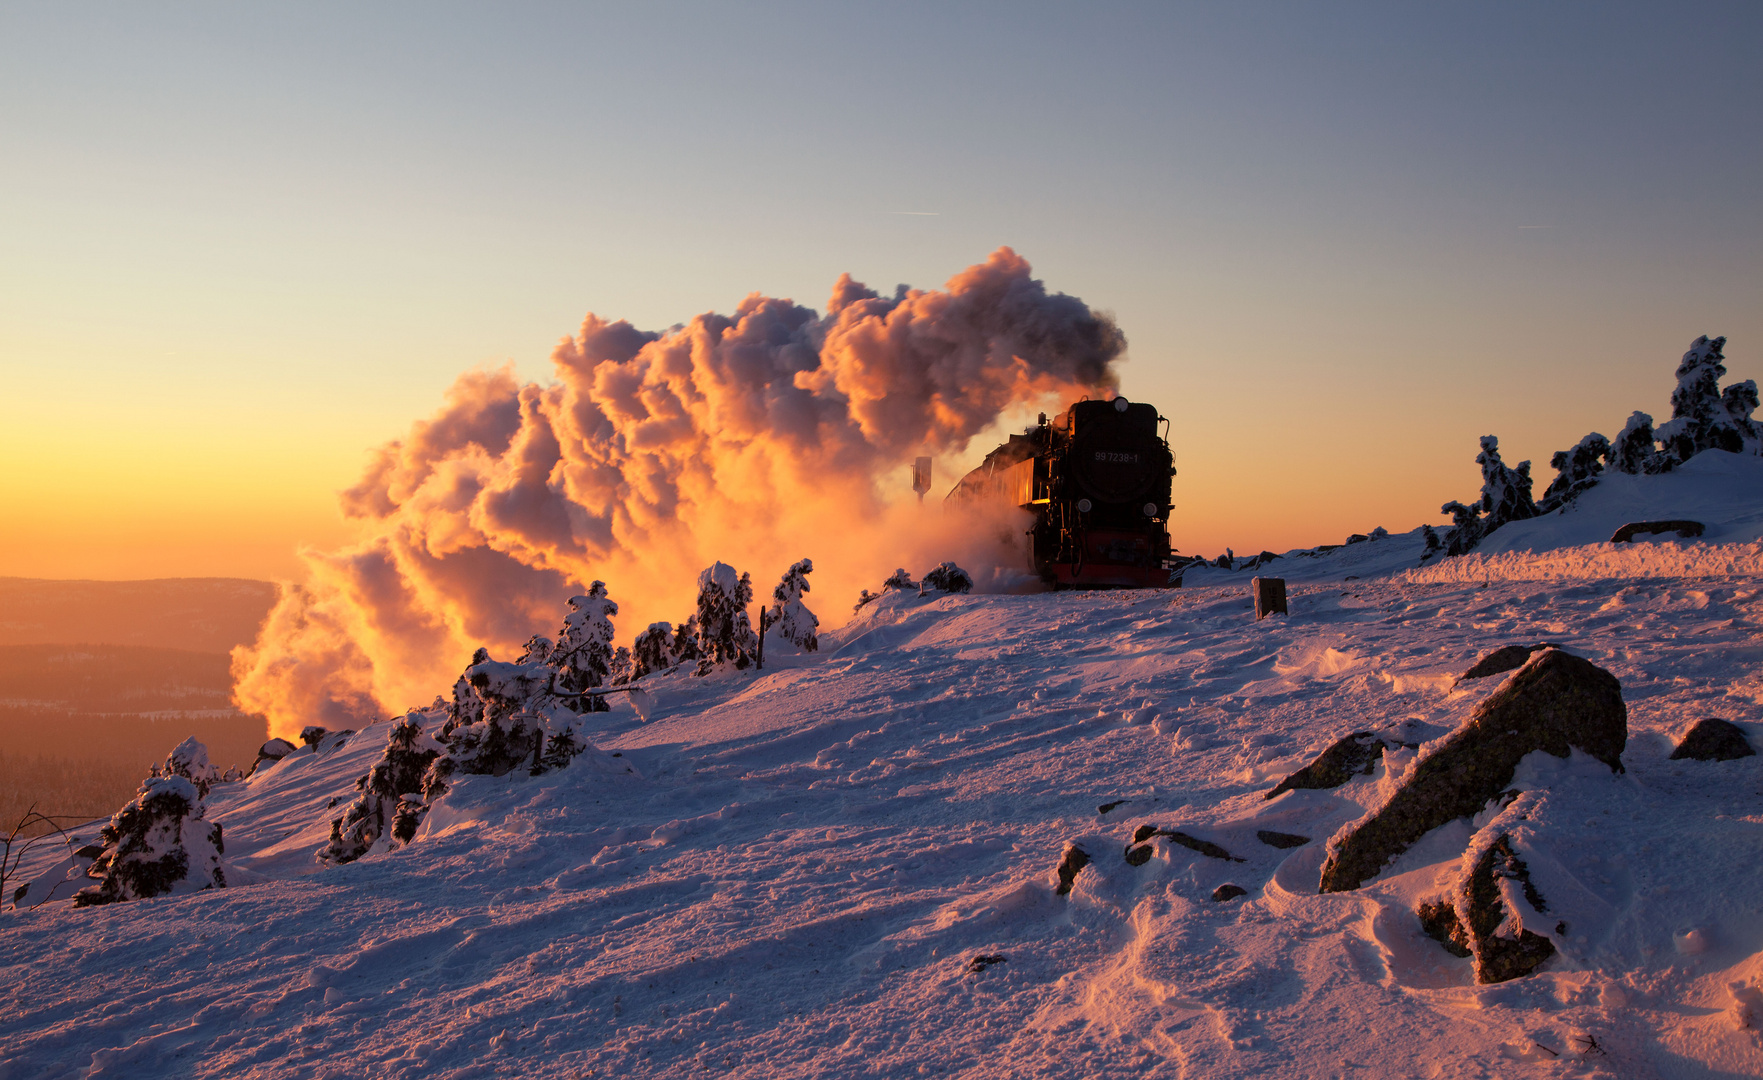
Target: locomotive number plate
{"points": [[1117, 457]]}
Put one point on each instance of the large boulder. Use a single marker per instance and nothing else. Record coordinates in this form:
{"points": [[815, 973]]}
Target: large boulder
{"points": [[1553, 703], [1713, 740], [1493, 904]]}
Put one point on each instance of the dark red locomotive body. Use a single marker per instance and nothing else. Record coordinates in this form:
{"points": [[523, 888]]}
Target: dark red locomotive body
{"points": [[1097, 480]]}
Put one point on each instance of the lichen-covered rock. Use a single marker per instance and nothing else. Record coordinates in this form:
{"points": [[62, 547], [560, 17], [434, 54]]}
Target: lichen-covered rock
{"points": [[1228, 892], [158, 844], [1713, 740], [270, 753], [1553, 703], [1281, 840]]}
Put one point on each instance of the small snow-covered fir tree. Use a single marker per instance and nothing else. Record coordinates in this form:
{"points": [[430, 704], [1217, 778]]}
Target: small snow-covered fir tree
{"points": [[159, 843], [410, 749], [898, 581], [1576, 470], [949, 578], [685, 640], [789, 615], [1505, 492], [189, 759], [1634, 451], [1740, 400], [584, 654], [1466, 527], [1699, 416], [621, 666], [652, 650], [1430, 538], [725, 633], [538, 650]]}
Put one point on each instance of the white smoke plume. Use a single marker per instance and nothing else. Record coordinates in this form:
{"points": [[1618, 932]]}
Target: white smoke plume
{"points": [[756, 439]]}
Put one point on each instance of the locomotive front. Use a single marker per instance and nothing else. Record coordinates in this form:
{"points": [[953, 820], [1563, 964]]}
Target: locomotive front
{"points": [[1097, 480]]}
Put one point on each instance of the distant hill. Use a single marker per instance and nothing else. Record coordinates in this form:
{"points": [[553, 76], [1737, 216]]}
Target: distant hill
{"points": [[208, 615]]}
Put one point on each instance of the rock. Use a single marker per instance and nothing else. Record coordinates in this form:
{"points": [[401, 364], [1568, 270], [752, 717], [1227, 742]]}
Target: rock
{"points": [[1553, 703], [1228, 892], [1138, 854], [1357, 538], [1685, 529], [1439, 920], [1204, 847], [983, 961], [1480, 903], [1353, 755], [271, 752], [1281, 839], [1713, 740], [1075, 859], [310, 734], [1508, 658], [1270, 596], [1107, 806]]}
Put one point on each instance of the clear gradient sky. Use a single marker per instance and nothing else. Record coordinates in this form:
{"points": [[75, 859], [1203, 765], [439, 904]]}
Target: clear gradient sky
{"points": [[240, 245]]}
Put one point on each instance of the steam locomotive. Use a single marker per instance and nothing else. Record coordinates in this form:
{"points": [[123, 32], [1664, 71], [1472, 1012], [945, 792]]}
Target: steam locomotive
{"points": [[1097, 480]]}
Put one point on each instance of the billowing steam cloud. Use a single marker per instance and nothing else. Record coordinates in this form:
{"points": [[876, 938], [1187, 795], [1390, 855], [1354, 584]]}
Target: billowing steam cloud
{"points": [[755, 438]]}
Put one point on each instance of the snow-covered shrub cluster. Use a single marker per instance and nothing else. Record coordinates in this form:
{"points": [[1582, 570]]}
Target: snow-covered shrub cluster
{"points": [[945, 577], [159, 843], [381, 808], [1703, 417], [189, 759]]}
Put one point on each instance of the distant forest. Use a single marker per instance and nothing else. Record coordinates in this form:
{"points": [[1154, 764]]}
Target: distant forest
{"points": [[81, 724]]}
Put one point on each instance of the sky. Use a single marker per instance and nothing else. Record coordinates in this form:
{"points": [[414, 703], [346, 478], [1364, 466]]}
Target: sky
{"points": [[241, 246]]}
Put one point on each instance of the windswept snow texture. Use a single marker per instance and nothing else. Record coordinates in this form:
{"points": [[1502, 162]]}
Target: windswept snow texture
{"points": [[800, 874]]}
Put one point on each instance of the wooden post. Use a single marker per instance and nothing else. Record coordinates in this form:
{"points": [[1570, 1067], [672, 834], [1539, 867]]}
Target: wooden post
{"points": [[764, 622], [1270, 596]]}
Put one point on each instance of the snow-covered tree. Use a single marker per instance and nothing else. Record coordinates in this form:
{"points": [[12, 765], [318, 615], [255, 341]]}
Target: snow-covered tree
{"points": [[1466, 527], [189, 759], [1505, 492], [725, 633], [621, 666], [159, 843], [1634, 451], [538, 650], [652, 650], [685, 641], [583, 655], [410, 749], [1699, 416], [1430, 539], [1740, 399], [1576, 470], [898, 581], [789, 615], [949, 578]]}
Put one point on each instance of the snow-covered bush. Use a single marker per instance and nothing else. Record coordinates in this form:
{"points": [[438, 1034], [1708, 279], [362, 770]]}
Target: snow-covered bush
{"points": [[621, 666], [584, 655], [949, 578], [652, 650], [1431, 539], [865, 597], [725, 634], [1505, 492], [1634, 451], [538, 650], [898, 581], [1702, 417], [160, 843], [410, 749], [789, 614], [1576, 470]]}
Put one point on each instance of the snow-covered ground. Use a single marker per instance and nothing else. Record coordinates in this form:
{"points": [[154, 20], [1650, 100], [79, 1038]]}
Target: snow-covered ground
{"points": [[800, 873]]}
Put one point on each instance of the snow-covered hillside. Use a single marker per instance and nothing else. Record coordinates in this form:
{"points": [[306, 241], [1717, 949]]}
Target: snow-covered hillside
{"points": [[846, 865]]}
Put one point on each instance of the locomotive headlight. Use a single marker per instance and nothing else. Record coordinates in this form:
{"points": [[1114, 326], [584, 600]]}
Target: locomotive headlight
{"points": [[1083, 506], [1150, 509], [1120, 404]]}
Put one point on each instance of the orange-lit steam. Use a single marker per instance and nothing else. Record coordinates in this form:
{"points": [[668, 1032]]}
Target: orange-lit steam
{"points": [[756, 439]]}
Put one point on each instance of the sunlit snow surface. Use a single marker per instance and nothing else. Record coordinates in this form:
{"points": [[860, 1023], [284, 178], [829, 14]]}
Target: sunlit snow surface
{"points": [[796, 883]]}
